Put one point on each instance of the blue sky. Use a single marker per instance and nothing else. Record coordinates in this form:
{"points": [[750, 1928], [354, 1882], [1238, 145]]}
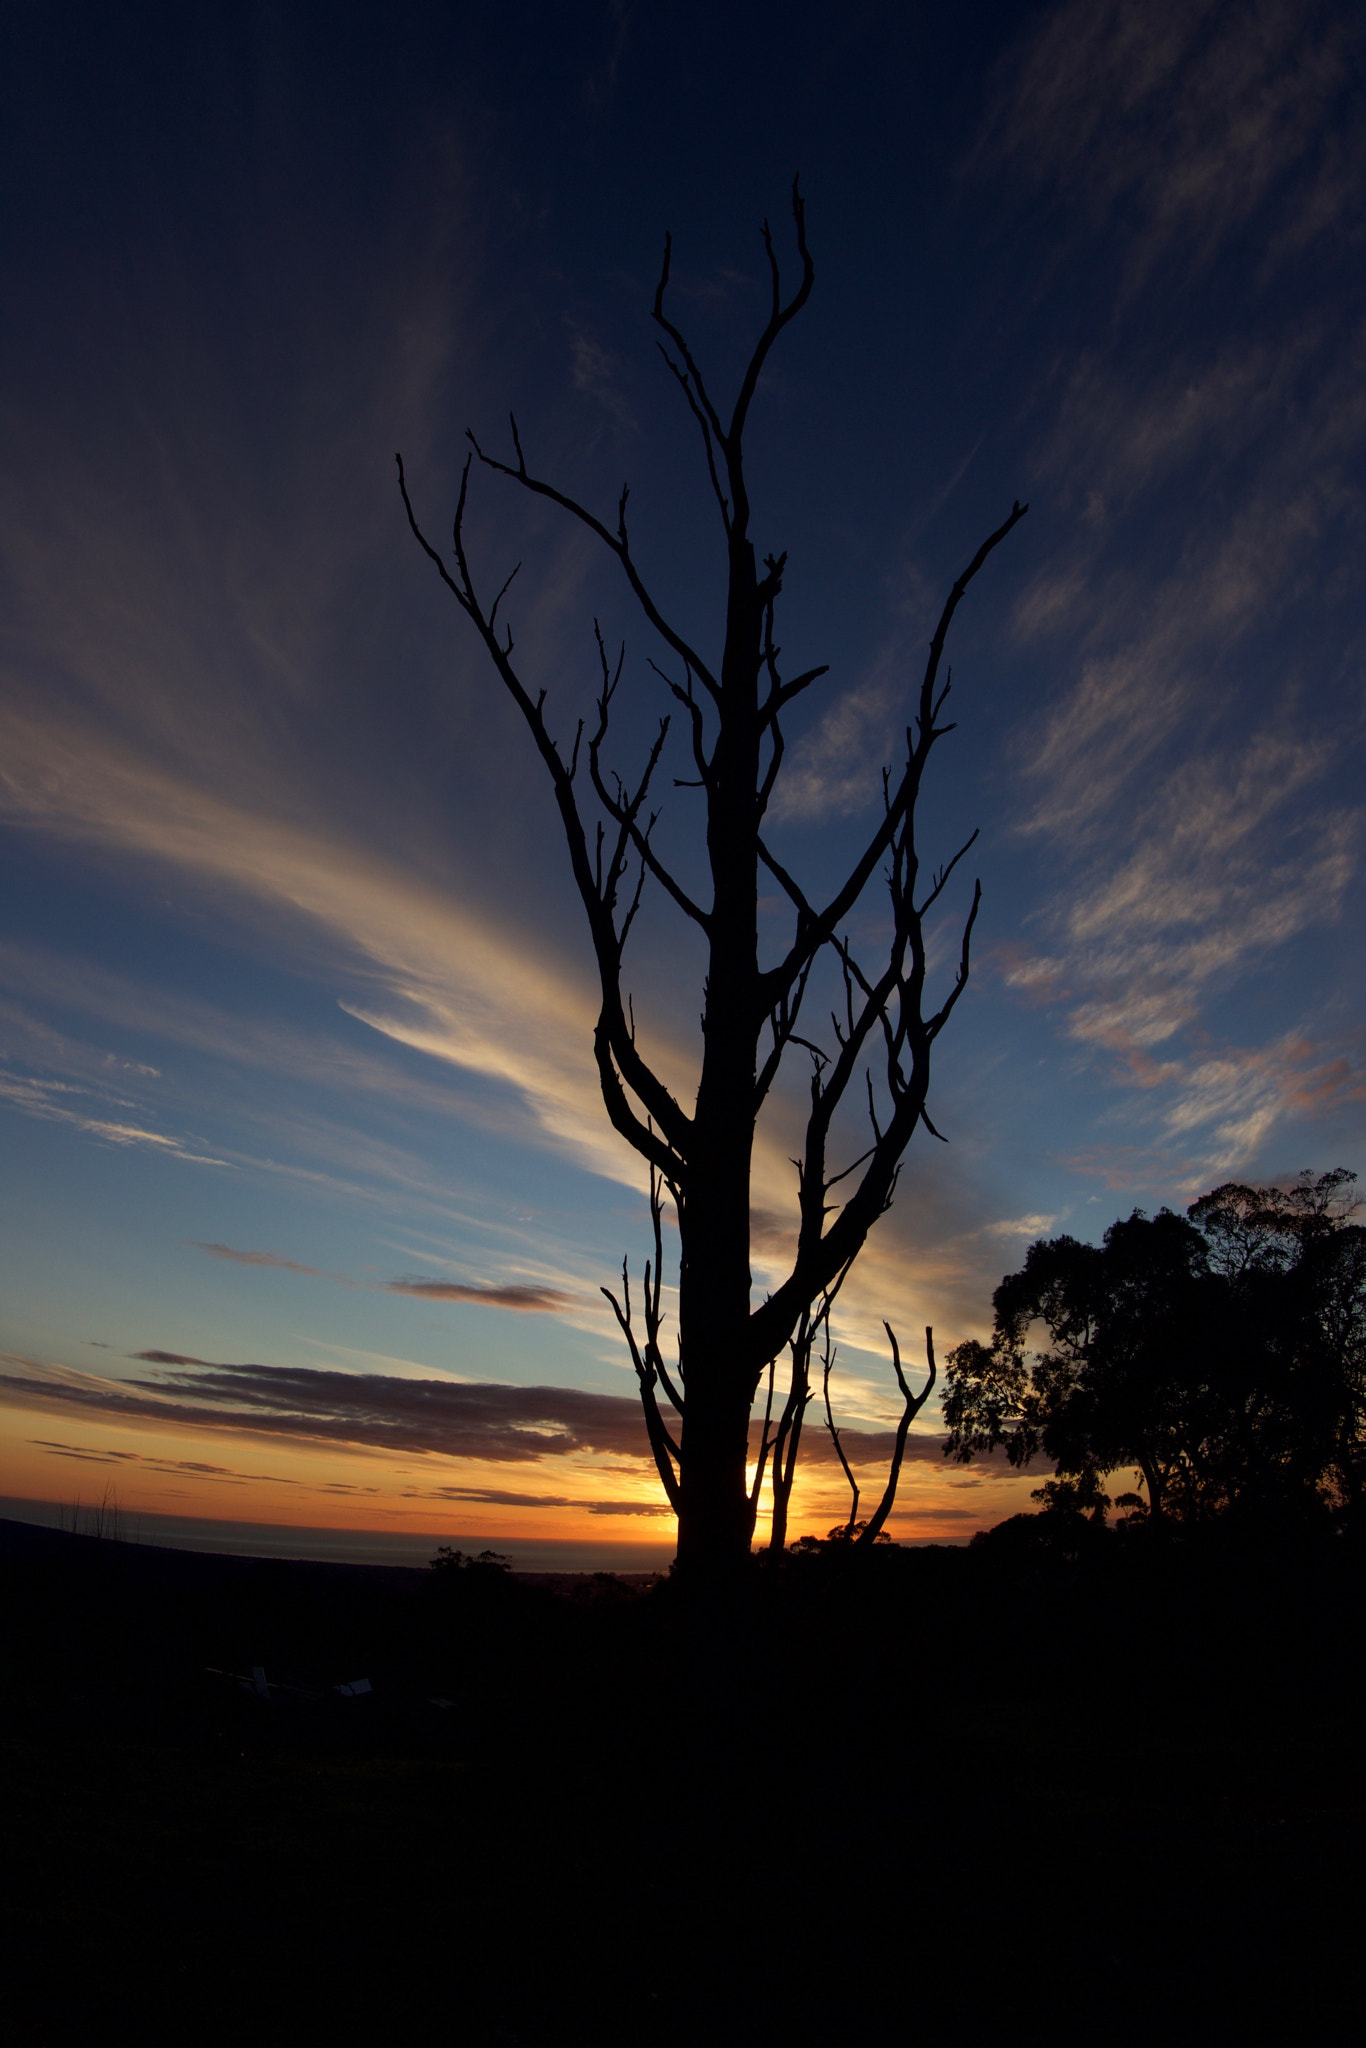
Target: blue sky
{"points": [[295, 1003]]}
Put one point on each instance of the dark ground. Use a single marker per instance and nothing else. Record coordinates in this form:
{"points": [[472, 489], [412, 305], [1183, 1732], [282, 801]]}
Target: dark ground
{"points": [[1008, 1794]]}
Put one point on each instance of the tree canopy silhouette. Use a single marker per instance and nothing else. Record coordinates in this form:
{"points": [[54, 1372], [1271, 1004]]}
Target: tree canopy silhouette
{"points": [[1221, 1355], [732, 701]]}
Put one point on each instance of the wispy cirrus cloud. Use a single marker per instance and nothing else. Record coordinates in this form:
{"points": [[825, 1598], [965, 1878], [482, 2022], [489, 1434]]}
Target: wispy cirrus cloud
{"points": [[1187, 781], [1200, 892], [457, 985], [1209, 1113], [1195, 116], [595, 371], [472, 992], [1145, 943], [1020, 1226], [833, 770], [57, 1102], [1230, 861], [291, 1103]]}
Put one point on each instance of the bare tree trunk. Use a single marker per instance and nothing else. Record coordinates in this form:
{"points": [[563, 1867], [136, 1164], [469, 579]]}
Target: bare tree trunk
{"points": [[1152, 1473], [714, 1282], [703, 1158]]}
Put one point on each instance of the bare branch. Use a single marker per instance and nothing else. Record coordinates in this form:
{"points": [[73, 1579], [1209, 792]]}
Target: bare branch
{"points": [[761, 1461], [617, 1057], [827, 1361], [941, 879], [626, 813], [699, 414], [684, 694], [667, 1456], [520, 474], [661, 320], [911, 1407], [779, 318], [819, 928]]}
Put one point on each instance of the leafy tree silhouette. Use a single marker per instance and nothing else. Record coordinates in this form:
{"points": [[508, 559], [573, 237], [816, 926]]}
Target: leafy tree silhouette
{"points": [[1221, 1354], [732, 703]]}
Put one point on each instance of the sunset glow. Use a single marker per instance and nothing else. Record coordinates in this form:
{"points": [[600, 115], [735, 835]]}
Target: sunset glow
{"points": [[310, 1194]]}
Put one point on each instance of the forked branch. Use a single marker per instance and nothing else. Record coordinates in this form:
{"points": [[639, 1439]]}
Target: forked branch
{"points": [[646, 1356], [911, 1407]]}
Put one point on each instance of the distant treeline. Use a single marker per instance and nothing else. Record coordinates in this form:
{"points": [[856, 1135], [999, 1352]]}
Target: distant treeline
{"points": [[1219, 1357]]}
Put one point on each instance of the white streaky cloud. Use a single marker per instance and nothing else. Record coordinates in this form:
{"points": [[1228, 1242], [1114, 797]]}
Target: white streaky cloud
{"points": [[449, 982], [1102, 735], [1197, 896], [1160, 658], [24, 1036], [1020, 1226], [1210, 1115], [595, 371], [1190, 850], [453, 984], [1155, 660], [463, 1027], [404, 1368], [1239, 1096], [1233, 1096], [1190, 115], [37, 1098], [833, 770], [1114, 438], [1196, 904], [374, 1171], [1132, 1023], [239, 1040]]}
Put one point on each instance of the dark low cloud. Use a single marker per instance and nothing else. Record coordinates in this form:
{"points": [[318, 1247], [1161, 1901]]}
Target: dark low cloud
{"points": [[530, 1300], [374, 1411], [864, 1447], [86, 1457], [226, 1251], [177, 1467], [371, 1410], [492, 1496]]}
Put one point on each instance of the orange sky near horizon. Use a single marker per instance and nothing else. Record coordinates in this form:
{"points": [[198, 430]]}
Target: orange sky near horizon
{"points": [[217, 1472]]}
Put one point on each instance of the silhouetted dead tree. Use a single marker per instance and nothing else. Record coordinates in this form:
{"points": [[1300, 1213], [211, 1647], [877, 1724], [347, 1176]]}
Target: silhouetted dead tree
{"points": [[733, 708], [827, 1361], [911, 1405]]}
